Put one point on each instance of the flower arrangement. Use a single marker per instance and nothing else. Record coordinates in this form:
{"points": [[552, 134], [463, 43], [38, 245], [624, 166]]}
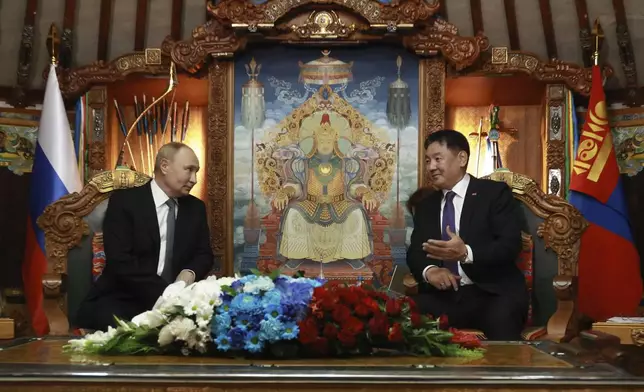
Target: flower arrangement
{"points": [[278, 316]]}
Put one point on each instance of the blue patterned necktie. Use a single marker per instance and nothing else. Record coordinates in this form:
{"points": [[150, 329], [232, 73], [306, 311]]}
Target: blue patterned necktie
{"points": [[449, 219]]}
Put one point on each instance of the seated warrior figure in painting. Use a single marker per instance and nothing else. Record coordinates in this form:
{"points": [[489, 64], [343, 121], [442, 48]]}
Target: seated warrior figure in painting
{"points": [[323, 219]]}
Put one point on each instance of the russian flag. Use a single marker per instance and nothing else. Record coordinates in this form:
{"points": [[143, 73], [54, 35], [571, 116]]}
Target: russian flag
{"points": [[54, 175], [610, 283]]}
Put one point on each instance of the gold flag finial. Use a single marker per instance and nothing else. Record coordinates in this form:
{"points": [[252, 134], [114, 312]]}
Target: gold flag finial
{"points": [[598, 32], [52, 43]]}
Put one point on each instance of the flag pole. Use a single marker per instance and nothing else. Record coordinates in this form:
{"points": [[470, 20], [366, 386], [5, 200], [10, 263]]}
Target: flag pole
{"points": [[598, 32]]}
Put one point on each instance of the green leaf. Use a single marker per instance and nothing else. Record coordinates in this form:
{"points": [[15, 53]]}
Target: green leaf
{"points": [[255, 271]]}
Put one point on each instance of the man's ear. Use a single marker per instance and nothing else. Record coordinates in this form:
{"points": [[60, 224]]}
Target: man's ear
{"points": [[164, 165], [463, 157]]}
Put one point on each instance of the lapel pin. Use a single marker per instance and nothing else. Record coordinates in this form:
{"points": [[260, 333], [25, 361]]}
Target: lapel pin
{"points": [[474, 194]]}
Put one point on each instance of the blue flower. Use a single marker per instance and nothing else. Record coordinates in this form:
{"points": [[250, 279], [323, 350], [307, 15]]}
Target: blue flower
{"points": [[243, 321], [237, 338], [247, 303], [223, 343], [291, 330], [248, 278], [237, 285], [271, 330], [220, 324], [253, 343], [224, 307], [272, 312], [272, 297]]}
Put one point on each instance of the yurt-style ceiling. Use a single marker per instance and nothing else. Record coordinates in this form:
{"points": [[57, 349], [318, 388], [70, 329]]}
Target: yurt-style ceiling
{"points": [[106, 29]]}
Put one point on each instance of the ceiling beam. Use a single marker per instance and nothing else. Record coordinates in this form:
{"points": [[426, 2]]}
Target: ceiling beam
{"points": [[585, 36], [208, 16], [25, 56], [548, 29], [104, 30], [65, 59], [477, 16], [141, 24], [176, 26], [511, 20], [625, 45]]}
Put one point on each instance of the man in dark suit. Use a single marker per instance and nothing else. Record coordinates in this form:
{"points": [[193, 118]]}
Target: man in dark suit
{"points": [[465, 245], [153, 235]]}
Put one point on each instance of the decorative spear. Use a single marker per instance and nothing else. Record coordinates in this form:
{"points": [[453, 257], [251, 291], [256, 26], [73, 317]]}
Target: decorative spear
{"points": [[121, 120], [186, 121], [173, 129]]}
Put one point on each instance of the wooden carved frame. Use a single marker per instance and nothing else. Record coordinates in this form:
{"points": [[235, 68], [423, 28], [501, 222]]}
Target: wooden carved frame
{"points": [[64, 227], [237, 23]]}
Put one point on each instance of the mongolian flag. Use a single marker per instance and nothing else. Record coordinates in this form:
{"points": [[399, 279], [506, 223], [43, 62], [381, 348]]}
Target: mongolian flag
{"points": [[610, 283], [54, 175]]}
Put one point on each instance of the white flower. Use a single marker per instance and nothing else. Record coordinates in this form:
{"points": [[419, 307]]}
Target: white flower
{"points": [[96, 339], [171, 297], [181, 328], [262, 283], [151, 319]]}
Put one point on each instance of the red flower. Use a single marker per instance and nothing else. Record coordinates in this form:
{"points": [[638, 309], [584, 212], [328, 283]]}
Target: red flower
{"points": [[325, 299], [443, 322], [416, 320], [393, 307], [466, 340], [330, 331], [352, 326], [379, 325], [341, 313], [395, 333], [308, 330]]}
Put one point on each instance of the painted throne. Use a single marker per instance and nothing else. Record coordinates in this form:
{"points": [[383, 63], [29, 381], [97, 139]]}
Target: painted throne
{"points": [[74, 246]]}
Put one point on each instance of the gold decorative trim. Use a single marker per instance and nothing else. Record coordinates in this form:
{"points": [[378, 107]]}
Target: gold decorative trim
{"points": [[431, 106], [374, 11], [219, 163], [74, 82]]}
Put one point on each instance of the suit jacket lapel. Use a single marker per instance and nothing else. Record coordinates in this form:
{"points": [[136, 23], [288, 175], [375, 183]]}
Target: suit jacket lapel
{"points": [[150, 212], [180, 228], [469, 206]]}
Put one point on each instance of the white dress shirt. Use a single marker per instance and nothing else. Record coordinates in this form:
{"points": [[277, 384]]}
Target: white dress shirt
{"points": [[460, 190], [160, 198]]}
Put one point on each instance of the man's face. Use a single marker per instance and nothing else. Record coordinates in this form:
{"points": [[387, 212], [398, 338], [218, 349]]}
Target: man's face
{"points": [[325, 147], [444, 166], [180, 172]]}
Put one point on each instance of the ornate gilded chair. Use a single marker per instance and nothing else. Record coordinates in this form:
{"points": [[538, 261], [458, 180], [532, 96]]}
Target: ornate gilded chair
{"points": [[551, 240], [73, 243]]}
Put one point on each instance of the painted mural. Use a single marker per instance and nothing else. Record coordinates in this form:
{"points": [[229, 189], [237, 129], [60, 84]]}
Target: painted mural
{"points": [[326, 153], [18, 134]]}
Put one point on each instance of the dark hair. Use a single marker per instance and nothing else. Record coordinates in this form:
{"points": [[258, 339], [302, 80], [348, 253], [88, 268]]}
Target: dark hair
{"points": [[454, 140], [417, 197]]}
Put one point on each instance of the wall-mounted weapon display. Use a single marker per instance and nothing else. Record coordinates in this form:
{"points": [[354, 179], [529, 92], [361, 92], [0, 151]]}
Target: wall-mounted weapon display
{"points": [[156, 124]]}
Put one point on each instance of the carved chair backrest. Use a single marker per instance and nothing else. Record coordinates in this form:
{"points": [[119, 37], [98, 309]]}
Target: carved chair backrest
{"points": [[70, 225], [555, 227]]}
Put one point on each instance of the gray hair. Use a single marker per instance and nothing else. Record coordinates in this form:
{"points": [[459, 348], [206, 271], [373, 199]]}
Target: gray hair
{"points": [[167, 151]]}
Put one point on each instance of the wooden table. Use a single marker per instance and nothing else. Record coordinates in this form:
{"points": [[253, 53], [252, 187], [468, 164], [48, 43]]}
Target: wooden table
{"points": [[40, 365]]}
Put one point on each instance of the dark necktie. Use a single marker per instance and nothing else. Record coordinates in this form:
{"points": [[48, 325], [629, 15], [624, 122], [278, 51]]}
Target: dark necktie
{"points": [[167, 274], [449, 219]]}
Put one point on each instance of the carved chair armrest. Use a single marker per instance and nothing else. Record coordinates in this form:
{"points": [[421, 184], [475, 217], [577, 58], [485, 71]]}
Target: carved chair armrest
{"points": [[54, 292], [565, 323]]}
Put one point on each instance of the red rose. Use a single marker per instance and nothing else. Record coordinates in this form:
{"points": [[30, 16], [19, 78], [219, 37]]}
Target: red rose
{"points": [[330, 331], [370, 303], [416, 320], [379, 325], [362, 310], [352, 326], [412, 305], [393, 307], [341, 313], [443, 322], [349, 296], [347, 339], [466, 340], [308, 330], [395, 333]]}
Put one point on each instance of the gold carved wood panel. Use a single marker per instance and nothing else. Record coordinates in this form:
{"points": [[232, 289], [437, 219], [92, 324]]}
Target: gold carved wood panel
{"points": [[431, 87]]}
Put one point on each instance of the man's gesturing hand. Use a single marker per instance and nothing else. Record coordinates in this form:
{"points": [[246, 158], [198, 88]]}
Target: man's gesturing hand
{"points": [[452, 250], [442, 278]]}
